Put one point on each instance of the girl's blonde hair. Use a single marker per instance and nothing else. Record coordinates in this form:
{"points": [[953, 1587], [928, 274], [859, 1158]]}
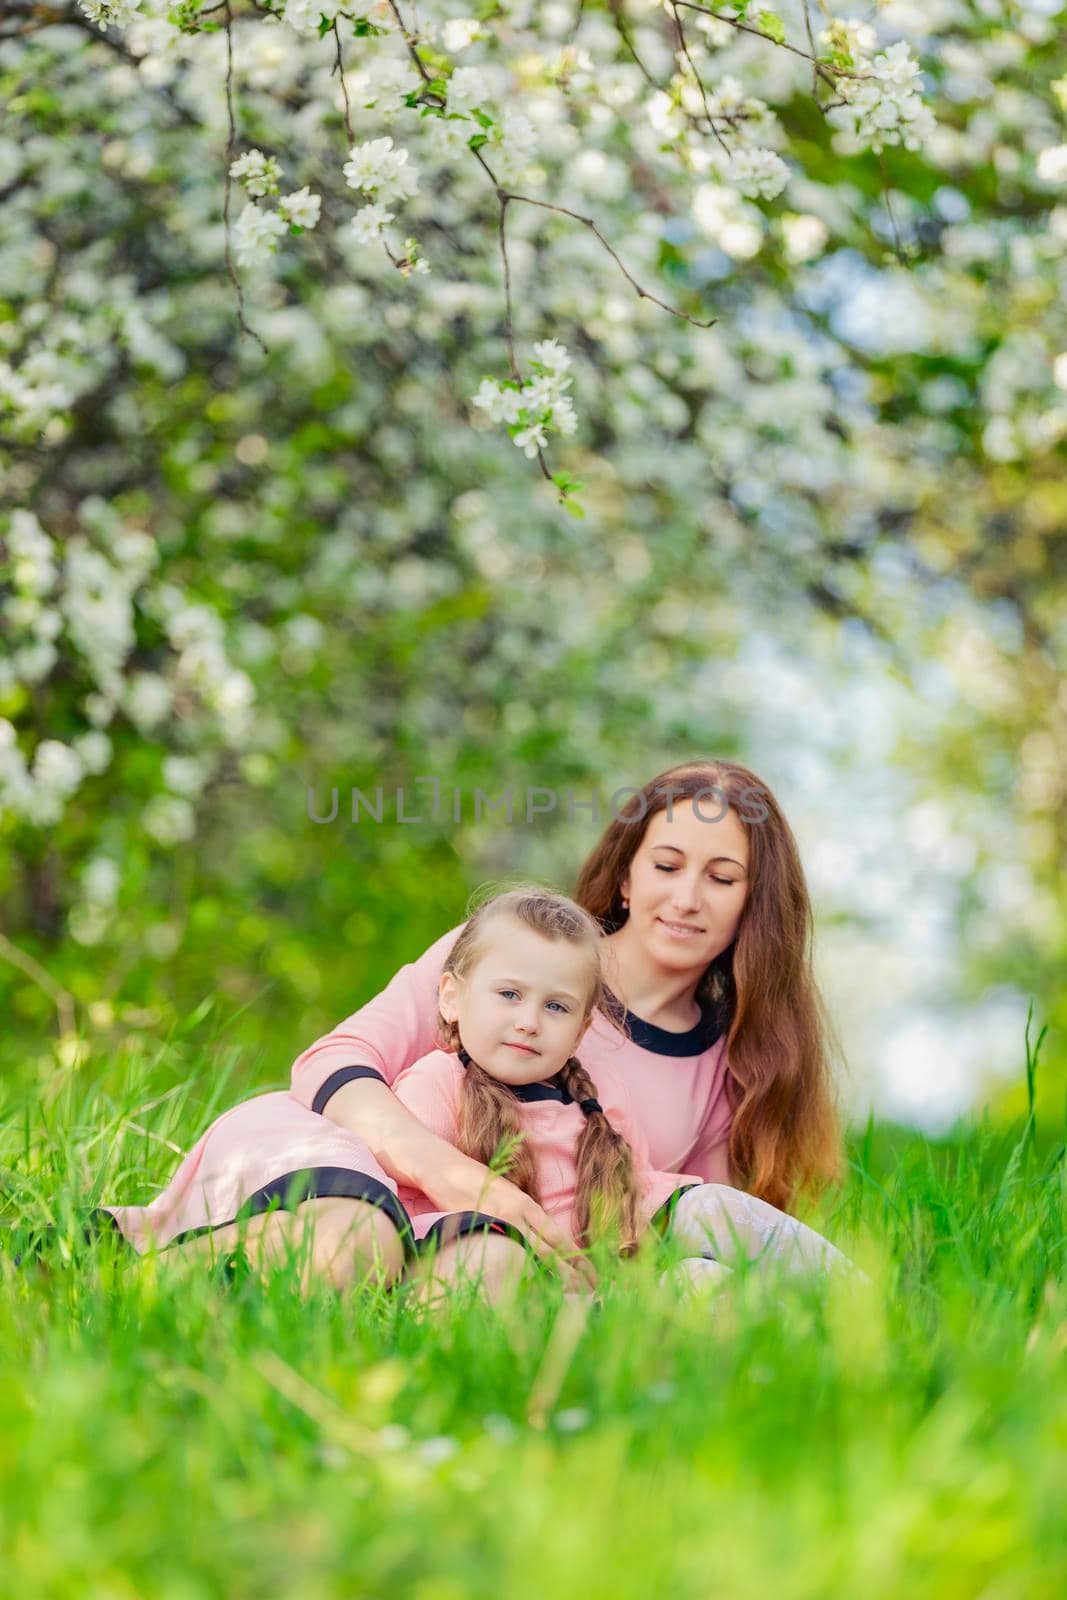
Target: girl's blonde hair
{"points": [[605, 1191]]}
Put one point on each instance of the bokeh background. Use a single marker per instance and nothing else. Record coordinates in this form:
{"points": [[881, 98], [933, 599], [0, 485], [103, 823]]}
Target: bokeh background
{"points": [[825, 536]]}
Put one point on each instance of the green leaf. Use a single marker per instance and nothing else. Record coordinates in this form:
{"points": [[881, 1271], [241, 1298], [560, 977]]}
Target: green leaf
{"points": [[773, 26], [483, 117], [476, 141]]}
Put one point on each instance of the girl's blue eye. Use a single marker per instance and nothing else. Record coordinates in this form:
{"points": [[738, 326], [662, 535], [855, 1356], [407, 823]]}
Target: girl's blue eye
{"points": [[565, 1009]]}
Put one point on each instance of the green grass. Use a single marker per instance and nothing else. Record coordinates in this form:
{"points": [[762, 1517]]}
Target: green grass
{"points": [[165, 1435]]}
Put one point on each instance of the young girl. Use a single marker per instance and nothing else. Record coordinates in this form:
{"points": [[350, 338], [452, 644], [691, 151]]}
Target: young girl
{"points": [[516, 996]]}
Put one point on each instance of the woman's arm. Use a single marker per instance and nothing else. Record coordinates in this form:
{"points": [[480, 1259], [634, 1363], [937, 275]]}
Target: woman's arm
{"points": [[710, 1156], [419, 1159], [388, 1033], [712, 1165]]}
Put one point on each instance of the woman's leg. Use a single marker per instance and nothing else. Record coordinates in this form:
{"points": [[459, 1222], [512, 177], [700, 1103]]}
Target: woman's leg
{"points": [[715, 1220], [349, 1240], [494, 1264], [696, 1274]]}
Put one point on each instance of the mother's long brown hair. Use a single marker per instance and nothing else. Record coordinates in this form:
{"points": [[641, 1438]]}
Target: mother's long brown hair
{"points": [[785, 1138], [605, 1193]]}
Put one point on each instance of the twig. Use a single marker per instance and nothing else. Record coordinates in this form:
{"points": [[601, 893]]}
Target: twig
{"points": [[642, 293], [339, 68], [811, 45], [510, 328], [231, 150], [696, 75], [825, 69]]}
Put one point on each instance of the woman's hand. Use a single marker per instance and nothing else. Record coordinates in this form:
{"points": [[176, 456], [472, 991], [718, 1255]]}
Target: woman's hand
{"points": [[419, 1159], [468, 1186]]}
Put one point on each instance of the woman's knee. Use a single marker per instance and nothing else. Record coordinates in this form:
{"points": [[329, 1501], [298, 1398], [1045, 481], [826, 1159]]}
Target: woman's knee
{"points": [[718, 1220], [729, 1225]]}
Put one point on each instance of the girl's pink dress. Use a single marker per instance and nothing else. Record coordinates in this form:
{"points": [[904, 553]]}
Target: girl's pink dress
{"points": [[279, 1145], [431, 1090]]}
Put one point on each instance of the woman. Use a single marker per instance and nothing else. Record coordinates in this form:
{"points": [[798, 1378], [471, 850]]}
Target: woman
{"points": [[706, 924]]}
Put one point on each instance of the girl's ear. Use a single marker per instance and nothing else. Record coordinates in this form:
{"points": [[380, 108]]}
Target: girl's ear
{"points": [[447, 996]]}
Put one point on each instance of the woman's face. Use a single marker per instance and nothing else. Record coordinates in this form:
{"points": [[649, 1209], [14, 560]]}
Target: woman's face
{"points": [[687, 885]]}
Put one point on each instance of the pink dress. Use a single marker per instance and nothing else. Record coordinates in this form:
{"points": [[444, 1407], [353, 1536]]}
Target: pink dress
{"points": [[431, 1090], [278, 1146]]}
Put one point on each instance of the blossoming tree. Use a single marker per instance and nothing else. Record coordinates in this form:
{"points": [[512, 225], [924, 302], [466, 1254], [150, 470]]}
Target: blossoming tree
{"points": [[318, 319]]}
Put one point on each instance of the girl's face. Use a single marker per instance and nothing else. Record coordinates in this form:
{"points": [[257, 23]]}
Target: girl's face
{"points": [[687, 885], [522, 1007]]}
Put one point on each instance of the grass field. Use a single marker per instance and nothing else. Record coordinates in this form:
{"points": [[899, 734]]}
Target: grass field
{"points": [[166, 1434]]}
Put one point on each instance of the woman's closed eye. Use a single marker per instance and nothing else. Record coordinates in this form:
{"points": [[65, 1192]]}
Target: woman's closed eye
{"points": [[715, 879], [559, 1003]]}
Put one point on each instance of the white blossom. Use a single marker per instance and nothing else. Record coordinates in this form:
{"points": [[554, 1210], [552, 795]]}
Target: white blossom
{"points": [[184, 775], [805, 236], [459, 32], [93, 749], [551, 355], [884, 106], [564, 416], [57, 767], [110, 13], [169, 819], [757, 173], [383, 84], [35, 661], [32, 550], [301, 208], [303, 15], [1052, 164], [99, 708], [258, 174], [368, 222], [537, 405], [256, 233], [531, 438], [376, 168], [100, 880], [500, 404], [147, 699], [468, 87], [98, 609]]}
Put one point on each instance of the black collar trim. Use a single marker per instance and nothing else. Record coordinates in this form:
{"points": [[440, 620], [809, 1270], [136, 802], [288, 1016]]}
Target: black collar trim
{"points": [[663, 1042]]}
